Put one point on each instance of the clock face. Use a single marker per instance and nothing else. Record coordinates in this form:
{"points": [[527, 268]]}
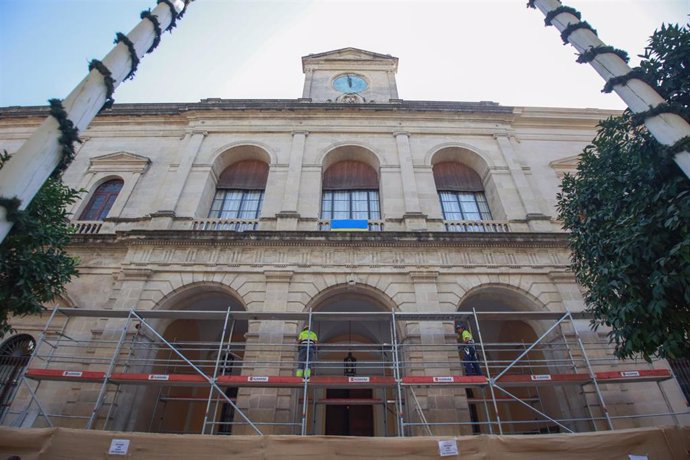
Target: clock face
{"points": [[350, 83]]}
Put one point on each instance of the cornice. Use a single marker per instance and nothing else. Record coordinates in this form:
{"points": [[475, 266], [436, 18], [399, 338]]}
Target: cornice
{"points": [[206, 105], [421, 240]]}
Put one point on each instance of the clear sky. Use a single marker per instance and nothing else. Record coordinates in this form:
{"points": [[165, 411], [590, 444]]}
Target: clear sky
{"points": [[454, 50]]}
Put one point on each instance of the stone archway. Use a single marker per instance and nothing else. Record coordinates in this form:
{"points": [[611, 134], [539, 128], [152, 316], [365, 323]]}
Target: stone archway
{"points": [[365, 341], [504, 340], [181, 409]]}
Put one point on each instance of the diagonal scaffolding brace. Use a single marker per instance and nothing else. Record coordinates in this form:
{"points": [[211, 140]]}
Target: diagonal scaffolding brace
{"points": [[532, 408], [211, 381]]}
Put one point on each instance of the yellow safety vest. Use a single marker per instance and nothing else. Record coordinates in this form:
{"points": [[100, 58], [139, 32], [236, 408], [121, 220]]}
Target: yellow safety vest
{"points": [[466, 336], [307, 336]]}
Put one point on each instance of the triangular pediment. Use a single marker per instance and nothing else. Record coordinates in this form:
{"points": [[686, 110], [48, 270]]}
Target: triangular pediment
{"points": [[119, 162], [565, 165], [350, 55]]}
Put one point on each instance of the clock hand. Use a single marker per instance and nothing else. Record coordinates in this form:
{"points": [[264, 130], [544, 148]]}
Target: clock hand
{"points": [[349, 82]]}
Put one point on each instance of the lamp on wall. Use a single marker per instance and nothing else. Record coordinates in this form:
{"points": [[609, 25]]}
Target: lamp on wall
{"points": [[350, 362]]}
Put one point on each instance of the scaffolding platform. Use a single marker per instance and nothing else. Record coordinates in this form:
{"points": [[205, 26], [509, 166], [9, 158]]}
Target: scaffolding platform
{"points": [[627, 376], [142, 356]]}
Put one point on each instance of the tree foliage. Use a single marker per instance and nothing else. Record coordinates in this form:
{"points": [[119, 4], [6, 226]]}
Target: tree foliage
{"points": [[34, 264], [628, 213]]}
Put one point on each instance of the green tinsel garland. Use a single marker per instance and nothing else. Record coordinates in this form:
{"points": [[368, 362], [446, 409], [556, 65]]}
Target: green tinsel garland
{"points": [[11, 206], [572, 28], [184, 9], [122, 38], [591, 53], [561, 9], [173, 13], [665, 107], [156, 27], [68, 134], [623, 79], [107, 80], [681, 145]]}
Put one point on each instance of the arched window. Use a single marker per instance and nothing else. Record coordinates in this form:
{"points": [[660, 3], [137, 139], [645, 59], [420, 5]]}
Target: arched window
{"points": [[350, 192], [102, 200], [240, 192], [15, 353], [461, 193]]}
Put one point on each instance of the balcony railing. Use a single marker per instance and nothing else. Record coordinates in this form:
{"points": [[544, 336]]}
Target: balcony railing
{"points": [[231, 225], [484, 226], [374, 225], [87, 227]]}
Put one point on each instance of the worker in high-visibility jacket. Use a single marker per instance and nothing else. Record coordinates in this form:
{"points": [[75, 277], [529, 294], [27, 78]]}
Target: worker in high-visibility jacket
{"points": [[469, 352], [307, 340]]}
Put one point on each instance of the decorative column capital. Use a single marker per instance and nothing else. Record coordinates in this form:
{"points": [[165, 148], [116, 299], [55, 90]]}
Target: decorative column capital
{"points": [[424, 276], [278, 276]]}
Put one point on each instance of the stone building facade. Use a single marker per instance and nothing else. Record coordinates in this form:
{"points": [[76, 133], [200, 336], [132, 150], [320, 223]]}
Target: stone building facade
{"points": [[230, 203]]}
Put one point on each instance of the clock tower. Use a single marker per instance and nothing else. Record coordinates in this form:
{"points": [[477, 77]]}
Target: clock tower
{"points": [[350, 75]]}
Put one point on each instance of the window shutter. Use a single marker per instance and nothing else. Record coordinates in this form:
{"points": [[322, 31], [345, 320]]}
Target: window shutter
{"points": [[350, 175], [244, 175], [456, 177]]}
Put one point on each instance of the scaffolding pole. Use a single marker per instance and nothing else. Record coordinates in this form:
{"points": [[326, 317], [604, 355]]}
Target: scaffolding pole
{"points": [[397, 376], [109, 372], [215, 372], [306, 380], [228, 343], [593, 376], [488, 374]]}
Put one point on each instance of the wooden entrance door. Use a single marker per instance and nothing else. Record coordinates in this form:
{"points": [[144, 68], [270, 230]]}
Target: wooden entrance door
{"points": [[349, 420]]}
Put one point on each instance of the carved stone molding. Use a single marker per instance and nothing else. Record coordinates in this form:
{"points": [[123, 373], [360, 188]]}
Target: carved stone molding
{"points": [[119, 162], [278, 276], [424, 276], [135, 274], [350, 99]]}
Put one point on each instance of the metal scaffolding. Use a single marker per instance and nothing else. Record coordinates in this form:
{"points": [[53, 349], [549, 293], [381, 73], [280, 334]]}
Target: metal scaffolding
{"points": [[136, 353]]}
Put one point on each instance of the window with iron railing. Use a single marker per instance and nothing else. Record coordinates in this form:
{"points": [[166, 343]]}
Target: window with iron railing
{"points": [[239, 195], [350, 192], [464, 206]]}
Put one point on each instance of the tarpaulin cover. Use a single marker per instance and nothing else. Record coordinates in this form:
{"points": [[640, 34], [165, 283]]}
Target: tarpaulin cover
{"points": [[70, 444]]}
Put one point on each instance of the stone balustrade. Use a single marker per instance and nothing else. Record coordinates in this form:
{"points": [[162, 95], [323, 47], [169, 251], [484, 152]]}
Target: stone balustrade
{"points": [[233, 225], [484, 226], [374, 225], [87, 227]]}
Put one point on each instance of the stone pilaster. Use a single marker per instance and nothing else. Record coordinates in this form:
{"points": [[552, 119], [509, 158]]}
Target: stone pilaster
{"points": [[174, 183], [535, 217], [439, 404], [266, 346], [413, 217], [288, 218]]}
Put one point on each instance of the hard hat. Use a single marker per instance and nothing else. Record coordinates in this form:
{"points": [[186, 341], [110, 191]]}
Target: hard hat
{"points": [[460, 325]]}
